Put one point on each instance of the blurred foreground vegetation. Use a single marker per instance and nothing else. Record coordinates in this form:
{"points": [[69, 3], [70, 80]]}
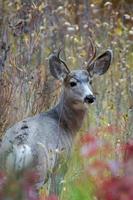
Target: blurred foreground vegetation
{"points": [[29, 31]]}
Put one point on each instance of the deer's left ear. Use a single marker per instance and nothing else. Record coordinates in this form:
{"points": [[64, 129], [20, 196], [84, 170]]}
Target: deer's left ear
{"points": [[101, 64]]}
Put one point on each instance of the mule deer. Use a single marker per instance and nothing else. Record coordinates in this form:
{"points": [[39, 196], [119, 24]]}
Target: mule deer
{"points": [[40, 141]]}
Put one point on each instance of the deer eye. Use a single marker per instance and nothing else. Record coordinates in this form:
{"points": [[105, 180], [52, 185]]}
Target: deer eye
{"points": [[73, 83]]}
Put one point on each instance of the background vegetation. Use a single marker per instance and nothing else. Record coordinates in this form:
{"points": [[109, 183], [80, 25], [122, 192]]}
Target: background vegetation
{"points": [[29, 31]]}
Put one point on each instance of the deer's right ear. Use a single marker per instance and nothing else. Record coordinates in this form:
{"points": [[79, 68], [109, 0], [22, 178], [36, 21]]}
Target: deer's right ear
{"points": [[57, 67]]}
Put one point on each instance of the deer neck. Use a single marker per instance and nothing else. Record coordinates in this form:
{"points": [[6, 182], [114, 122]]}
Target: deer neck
{"points": [[71, 114]]}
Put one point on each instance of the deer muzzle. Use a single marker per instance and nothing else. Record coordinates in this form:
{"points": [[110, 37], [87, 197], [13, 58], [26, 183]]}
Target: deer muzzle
{"points": [[89, 99]]}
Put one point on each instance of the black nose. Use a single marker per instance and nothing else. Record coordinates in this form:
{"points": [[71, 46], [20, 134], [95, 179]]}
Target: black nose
{"points": [[89, 99]]}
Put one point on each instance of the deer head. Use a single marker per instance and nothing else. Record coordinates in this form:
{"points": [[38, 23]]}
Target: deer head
{"points": [[77, 83]]}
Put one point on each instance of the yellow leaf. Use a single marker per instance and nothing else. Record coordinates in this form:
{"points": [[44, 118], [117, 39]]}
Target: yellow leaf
{"points": [[118, 31]]}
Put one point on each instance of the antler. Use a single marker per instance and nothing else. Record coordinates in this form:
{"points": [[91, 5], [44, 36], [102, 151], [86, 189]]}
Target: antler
{"points": [[93, 47], [58, 56]]}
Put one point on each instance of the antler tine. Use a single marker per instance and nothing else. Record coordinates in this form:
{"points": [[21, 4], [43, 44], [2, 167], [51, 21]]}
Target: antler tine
{"points": [[58, 56], [93, 47]]}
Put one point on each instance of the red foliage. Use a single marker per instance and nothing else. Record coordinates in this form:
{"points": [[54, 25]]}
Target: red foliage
{"points": [[111, 128], [31, 177], [3, 179], [88, 138], [128, 150], [52, 197], [28, 183], [117, 188], [109, 185], [90, 145], [120, 188]]}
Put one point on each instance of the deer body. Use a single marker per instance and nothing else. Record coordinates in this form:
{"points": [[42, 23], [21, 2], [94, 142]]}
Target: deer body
{"points": [[43, 140]]}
